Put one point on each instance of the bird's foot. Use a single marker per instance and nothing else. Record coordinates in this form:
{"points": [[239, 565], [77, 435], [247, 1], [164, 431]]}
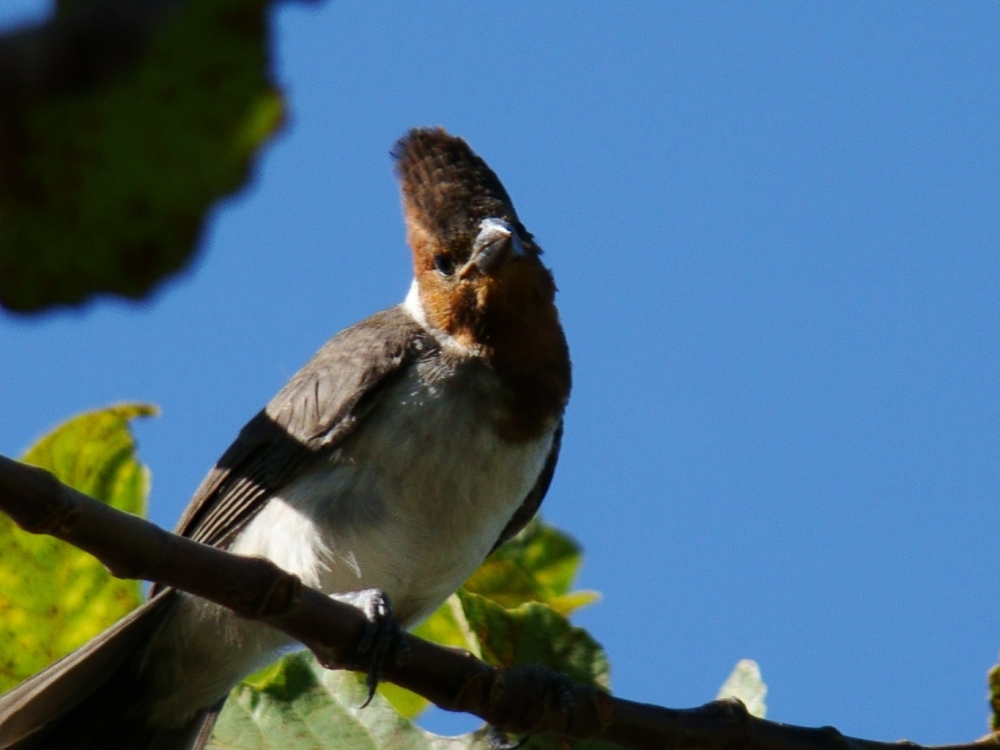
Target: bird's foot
{"points": [[381, 636], [524, 694]]}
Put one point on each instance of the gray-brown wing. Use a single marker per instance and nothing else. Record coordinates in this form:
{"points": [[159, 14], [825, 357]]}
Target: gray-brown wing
{"points": [[319, 406], [533, 501]]}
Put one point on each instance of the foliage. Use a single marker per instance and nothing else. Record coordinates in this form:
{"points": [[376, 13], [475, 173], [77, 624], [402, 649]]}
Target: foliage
{"points": [[105, 184], [54, 597]]}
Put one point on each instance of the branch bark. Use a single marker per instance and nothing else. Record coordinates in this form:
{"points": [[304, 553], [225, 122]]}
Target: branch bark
{"points": [[454, 680]]}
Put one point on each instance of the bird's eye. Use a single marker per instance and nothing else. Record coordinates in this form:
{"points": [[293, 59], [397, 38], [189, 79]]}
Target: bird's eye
{"points": [[444, 265]]}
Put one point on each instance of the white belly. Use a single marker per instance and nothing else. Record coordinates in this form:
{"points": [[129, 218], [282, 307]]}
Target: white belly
{"points": [[411, 505]]}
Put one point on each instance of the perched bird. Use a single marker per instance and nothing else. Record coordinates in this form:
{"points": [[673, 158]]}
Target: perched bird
{"points": [[409, 447]]}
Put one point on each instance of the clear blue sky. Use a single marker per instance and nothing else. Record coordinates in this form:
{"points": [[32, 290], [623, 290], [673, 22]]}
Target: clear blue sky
{"points": [[775, 231]]}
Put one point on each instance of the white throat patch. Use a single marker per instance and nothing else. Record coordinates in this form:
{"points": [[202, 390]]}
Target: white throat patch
{"points": [[415, 308]]}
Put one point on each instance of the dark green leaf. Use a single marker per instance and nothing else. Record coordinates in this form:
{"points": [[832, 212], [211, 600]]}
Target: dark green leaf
{"points": [[109, 168]]}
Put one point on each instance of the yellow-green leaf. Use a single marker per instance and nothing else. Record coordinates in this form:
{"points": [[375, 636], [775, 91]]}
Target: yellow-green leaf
{"points": [[54, 597], [538, 564]]}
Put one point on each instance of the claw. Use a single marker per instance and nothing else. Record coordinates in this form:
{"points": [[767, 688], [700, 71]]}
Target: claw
{"points": [[496, 739], [381, 632]]}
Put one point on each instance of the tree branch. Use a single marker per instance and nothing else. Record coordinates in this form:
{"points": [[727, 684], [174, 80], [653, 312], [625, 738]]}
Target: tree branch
{"points": [[454, 680]]}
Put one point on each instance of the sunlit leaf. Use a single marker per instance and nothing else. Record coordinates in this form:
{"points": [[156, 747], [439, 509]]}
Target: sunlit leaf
{"points": [[537, 565], [54, 597], [746, 683]]}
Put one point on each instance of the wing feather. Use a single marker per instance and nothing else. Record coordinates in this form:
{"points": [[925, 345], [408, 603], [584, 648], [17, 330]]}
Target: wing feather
{"points": [[315, 411]]}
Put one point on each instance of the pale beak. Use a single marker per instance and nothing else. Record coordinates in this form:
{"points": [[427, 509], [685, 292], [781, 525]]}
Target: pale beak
{"points": [[495, 238]]}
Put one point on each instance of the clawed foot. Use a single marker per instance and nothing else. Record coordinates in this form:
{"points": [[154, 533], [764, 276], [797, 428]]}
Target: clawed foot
{"points": [[380, 635], [525, 694]]}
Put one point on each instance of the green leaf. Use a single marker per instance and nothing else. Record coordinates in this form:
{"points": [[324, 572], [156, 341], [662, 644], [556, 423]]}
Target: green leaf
{"points": [[449, 627], [534, 633], [745, 682], [106, 183], [537, 565], [302, 706], [54, 597]]}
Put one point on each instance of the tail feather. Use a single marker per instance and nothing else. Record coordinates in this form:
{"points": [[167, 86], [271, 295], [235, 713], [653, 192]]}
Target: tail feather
{"points": [[91, 698]]}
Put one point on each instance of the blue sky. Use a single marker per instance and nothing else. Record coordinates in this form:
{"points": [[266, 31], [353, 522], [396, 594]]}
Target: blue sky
{"points": [[774, 228]]}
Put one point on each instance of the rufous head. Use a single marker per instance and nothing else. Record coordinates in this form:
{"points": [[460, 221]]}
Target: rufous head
{"points": [[473, 260]]}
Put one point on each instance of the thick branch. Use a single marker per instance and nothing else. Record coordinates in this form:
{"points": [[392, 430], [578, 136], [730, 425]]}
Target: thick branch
{"points": [[452, 679]]}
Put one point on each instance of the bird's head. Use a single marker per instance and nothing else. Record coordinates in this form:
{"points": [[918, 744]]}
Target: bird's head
{"points": [[479, 282], [474, 262]]}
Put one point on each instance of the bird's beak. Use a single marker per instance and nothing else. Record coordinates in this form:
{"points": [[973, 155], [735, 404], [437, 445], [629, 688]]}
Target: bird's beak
{"points": [[495, 241]]}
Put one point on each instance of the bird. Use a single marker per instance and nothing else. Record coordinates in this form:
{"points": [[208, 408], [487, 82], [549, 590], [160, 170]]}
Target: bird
{"points": [[410, 446]]}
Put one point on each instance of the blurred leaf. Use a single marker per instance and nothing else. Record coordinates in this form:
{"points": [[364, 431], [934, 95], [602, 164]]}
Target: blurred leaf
{"points": [[746, 683], [108, 169], [302, 706], [54, 597]]}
